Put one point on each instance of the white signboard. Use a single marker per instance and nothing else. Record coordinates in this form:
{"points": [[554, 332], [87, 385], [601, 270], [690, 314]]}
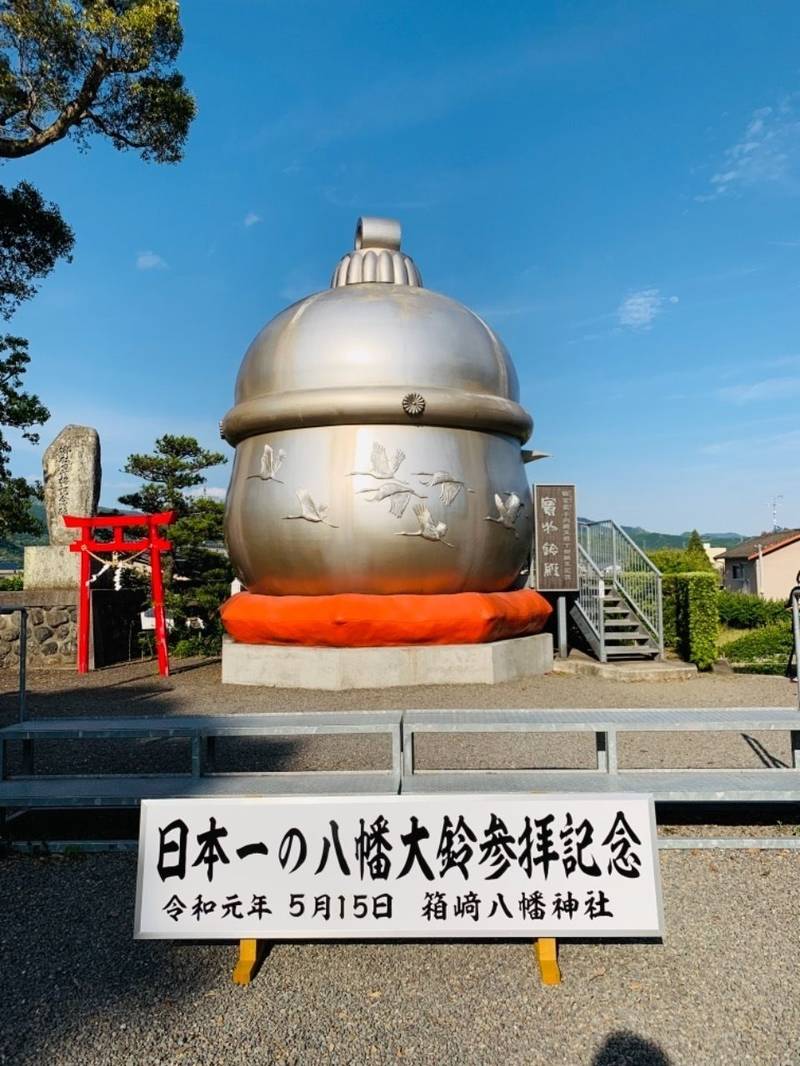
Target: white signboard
{"points": [[399, 866], [147, 620]]}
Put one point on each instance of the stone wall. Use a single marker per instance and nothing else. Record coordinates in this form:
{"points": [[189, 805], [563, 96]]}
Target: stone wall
{"points": [[53, 628], [52, 634]]}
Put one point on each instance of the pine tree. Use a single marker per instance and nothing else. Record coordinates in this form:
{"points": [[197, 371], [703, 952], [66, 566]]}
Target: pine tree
{"points": [[197, 579], [695, 543], [696, 558]]}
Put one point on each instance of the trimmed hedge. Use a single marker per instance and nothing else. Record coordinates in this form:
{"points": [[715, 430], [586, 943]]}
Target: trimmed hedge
{"points": [[765, 650], [680, 561], [669, 584], [740, 610], [691, 617]]}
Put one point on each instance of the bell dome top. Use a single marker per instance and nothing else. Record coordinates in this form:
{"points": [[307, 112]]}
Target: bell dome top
{"points": [[376, 256], [376, 348]]}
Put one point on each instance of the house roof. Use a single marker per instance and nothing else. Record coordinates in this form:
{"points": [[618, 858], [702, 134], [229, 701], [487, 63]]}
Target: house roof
{"points": [[770, 542]]}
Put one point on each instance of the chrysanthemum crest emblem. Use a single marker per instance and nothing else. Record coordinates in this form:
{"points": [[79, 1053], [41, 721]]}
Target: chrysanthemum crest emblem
{"points": [[413, 404]]}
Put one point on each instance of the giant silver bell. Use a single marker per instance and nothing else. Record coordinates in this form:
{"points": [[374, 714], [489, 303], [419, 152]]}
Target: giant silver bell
{"points": [[378, 440]]}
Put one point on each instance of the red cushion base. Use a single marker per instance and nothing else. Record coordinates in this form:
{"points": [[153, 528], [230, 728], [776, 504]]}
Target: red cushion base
{"points": [[351, 620]]}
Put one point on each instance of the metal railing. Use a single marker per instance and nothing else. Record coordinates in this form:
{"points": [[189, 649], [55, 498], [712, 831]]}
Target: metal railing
{"points": [[626, 568], [591, 591]]}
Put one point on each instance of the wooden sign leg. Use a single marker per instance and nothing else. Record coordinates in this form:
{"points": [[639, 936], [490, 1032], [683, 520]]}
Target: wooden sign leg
{"points": [[250, 954], [546, 950]]}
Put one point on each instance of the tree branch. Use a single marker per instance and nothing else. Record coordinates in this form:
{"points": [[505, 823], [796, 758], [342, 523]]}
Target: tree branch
{"points": [[115, 135], [73, 113]]}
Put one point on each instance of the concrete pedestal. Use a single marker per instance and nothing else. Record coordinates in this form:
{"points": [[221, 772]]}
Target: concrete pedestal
{"points": [[51, 566], [278, 666]]}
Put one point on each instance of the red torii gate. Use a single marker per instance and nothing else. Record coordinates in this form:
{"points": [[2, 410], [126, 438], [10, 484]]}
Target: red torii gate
{"points": [[153, 542]]}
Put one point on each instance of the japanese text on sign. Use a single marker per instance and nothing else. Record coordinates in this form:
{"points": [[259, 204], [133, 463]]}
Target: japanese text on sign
{"points": [[398, 866], [556, 538]]}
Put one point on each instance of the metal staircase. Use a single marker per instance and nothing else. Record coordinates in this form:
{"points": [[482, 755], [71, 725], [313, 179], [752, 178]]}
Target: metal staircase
{"points": [[619, 607]]}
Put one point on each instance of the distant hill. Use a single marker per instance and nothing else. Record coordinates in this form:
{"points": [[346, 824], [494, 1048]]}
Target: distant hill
{"points": [[649, 540], [11, 547]]}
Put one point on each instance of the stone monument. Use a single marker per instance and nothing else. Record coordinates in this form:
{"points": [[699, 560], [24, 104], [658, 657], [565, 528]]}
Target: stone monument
{"points": [[71, 467], [72, 474], [50, 593], [379, 513]]}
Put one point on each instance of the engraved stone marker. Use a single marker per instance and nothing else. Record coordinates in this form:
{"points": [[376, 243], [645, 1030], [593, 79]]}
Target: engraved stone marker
{"points": [[71, 479]]}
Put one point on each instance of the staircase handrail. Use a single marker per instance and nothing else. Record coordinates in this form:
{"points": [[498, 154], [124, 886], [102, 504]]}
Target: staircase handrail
{"points": [[588, 559], [597, 625], [648, 609], [624, 535]]}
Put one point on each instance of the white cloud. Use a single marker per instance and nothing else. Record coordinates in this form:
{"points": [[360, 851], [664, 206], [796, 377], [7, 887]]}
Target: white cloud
{"points": [[752, 447], [768, 152], [640, 309], [413, 95], [766, 389], [252, 219], [150, 261]]}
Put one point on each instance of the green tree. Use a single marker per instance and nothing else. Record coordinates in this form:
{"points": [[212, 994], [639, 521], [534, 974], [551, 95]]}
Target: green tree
{"points": [[695, 543], [669, 560], [691, 559], [679, 560], [78, 69], [21, 411], [72, 69], [33, 237], [696, 558], [198, 579], [177, 464]]}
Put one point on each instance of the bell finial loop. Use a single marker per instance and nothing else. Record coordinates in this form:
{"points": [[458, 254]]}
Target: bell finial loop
{"points": [[373, 232], [376, 256]]}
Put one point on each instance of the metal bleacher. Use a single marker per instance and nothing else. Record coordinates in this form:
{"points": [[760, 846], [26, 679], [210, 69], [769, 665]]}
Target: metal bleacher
{"points": [[200, 779], [773, 784], [670, 785]]}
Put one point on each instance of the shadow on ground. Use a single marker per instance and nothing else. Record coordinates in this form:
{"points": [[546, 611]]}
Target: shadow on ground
{"points": [[627, 1049], [69, 957]]}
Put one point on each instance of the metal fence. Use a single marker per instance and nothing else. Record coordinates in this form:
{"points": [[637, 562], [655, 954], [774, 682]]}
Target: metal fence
{"points": [[591, 590], [625, 567]]}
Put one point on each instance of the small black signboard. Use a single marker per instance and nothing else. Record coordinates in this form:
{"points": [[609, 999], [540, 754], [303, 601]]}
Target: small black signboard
{"points": [[555, 538]]}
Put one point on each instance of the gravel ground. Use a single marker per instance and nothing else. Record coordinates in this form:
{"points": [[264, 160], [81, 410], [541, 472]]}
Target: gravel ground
{"points": [[194, 688], [722, 989]]}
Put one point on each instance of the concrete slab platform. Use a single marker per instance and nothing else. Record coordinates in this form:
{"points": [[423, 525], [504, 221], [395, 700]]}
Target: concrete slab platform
{"points": [[337, 669], [625, 670]]}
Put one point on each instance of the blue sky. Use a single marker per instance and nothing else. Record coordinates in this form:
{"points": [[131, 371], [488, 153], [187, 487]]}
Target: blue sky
{"points": [[615, 187]]}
